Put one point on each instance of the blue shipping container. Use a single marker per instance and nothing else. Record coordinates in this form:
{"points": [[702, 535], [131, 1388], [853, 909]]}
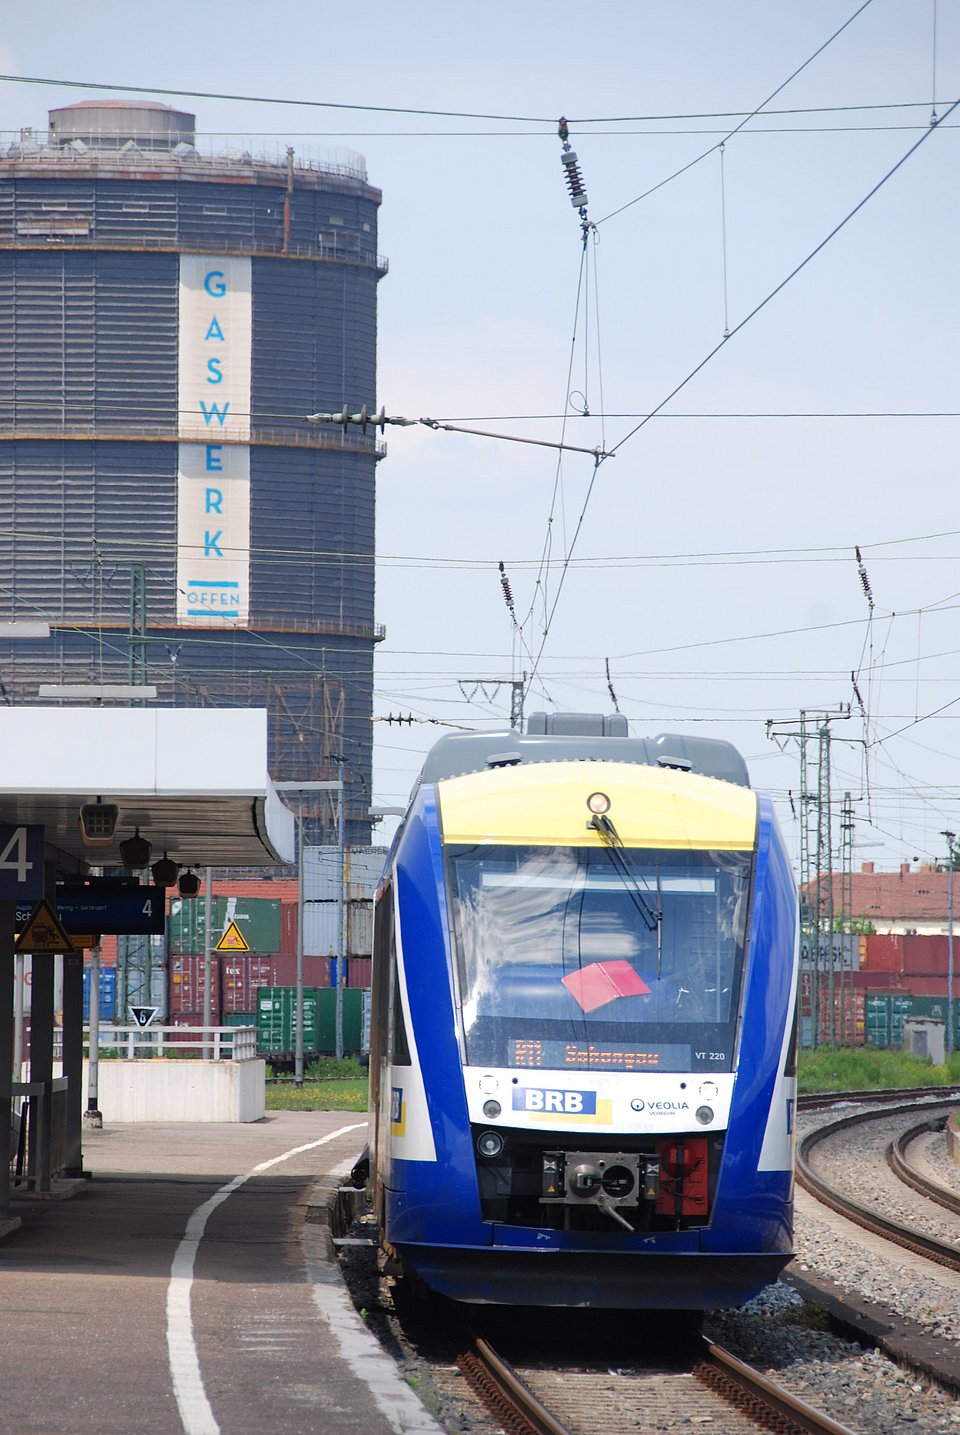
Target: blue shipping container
{"points": [[108, 993]]}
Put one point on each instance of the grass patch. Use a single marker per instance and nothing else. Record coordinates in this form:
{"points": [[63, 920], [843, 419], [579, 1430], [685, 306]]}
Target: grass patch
{"points": [[328, 1085], [331, 1085], [868, 1069]]}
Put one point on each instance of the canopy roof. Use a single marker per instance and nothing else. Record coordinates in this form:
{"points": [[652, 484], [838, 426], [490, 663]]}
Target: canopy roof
{"points": [[193, 780]]}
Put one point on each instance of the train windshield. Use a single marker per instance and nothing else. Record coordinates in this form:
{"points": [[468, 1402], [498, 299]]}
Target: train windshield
{"points": [[599, 959]]}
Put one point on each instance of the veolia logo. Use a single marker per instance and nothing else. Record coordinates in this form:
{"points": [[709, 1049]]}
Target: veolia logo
{"points": [[636, 1104]]}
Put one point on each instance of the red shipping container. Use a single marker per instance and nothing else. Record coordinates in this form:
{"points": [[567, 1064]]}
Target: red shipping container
{"points": [[358, 971], [927, 985], [288, 928], [874, 981], [882, 954], [108, 951], [187, 1022], [316, 971], [240, 976], [926, 955], [186, 987]]}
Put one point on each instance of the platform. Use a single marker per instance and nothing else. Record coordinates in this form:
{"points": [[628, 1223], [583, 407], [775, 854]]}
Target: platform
{"points": [[191, 1287]]}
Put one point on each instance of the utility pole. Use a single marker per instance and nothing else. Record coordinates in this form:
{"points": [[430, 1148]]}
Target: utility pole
{"points": [[300, 788], [847, 936], [341, 910], [951, 858], [137, 667], [815, 851]]}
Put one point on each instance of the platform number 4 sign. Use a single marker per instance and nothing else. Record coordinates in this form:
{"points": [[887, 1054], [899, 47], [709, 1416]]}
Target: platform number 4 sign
{"points": [[21, 861]]}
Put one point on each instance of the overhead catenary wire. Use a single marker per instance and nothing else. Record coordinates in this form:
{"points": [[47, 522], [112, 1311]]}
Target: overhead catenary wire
{"points": [[746, 119], [758, 308], [287, 100]]}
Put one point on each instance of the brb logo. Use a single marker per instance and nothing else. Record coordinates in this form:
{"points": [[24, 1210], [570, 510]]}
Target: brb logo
{"points": [[563, 1103]]}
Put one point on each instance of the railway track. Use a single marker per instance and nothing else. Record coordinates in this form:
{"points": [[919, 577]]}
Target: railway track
{"points": [[943, 1253], [712, 1386], [898, 1159], [893, 1096]]}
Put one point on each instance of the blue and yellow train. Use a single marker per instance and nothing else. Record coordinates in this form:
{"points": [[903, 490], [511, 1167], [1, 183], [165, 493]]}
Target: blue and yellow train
{"points": [[583, 1038]]}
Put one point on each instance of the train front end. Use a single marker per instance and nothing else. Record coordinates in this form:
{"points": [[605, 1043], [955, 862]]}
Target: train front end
{"points": [[584, 1082]]}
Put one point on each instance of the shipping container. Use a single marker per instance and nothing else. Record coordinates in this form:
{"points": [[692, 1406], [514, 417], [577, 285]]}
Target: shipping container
{"points": [[358, 972], [927, 956], [926, 986], [276, 1021], [108, 993], [257, 918], [239, 1018], [874, 981], [288, 928], [321, 927], [882, 953], [316, 971], [187, 987], [352, 1016], [240, 977], [883, 1016]]}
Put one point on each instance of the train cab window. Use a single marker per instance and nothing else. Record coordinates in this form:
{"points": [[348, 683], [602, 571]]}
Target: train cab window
{"points": [[617, 961], [400, 1047], [386, 983]]}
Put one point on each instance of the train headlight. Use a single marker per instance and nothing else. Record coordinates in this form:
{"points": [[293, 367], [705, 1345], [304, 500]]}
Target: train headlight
{"points": [[708, 1090], [490, 1143], [491, 1109], [704, 1115]]}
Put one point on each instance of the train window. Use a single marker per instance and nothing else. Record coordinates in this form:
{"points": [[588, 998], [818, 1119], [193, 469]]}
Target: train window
{"points": [[386, 974], [582, 947]]}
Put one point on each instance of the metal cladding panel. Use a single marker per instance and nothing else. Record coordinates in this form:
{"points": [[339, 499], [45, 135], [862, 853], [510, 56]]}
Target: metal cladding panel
{"points": [[339, 221], [321, 872], [315, 335], [81, 513], [218, 213], [312, 514], [87, 338]]}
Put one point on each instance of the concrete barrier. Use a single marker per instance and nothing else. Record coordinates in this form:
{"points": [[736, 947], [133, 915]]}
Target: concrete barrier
{"points": [[158, 1089]]}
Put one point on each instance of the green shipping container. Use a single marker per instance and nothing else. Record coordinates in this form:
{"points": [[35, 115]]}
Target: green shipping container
{"points": [[883, 1018], [258, 919], [352, 1020], [276, 1020]]}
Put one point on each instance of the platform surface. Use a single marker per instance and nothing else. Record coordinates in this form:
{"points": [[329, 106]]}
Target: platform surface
{"points": [[191, 1287]]}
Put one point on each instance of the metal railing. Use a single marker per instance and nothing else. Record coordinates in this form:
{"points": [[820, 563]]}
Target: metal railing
{"points": [[214, 1043]]}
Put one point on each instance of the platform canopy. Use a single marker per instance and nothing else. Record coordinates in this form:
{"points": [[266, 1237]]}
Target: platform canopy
{"points": [[193, 780]]}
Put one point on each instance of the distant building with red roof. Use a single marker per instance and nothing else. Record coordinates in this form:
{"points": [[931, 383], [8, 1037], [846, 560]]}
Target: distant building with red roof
{"points": [[911, 901]]}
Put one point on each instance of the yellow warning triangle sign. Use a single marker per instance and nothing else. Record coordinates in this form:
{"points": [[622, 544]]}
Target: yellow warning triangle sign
{"points": [[232, 940], [43, 932]]}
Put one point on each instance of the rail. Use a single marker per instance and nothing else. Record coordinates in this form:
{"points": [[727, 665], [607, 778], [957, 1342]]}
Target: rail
{"points": [[214, 1043], [765, 1404], [899, 1234]]}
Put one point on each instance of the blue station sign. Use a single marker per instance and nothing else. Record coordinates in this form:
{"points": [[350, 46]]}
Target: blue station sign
{"points": [[107, 908]]}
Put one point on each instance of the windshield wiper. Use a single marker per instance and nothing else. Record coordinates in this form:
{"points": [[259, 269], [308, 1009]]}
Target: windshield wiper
{"points": [[613, 846]]}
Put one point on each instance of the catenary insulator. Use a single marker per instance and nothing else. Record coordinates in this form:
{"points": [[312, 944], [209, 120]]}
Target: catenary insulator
{"points": [[578, 195]]}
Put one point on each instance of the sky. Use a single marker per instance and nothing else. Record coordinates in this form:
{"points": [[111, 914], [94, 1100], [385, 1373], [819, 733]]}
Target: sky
{"points": [[707, 570]]}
